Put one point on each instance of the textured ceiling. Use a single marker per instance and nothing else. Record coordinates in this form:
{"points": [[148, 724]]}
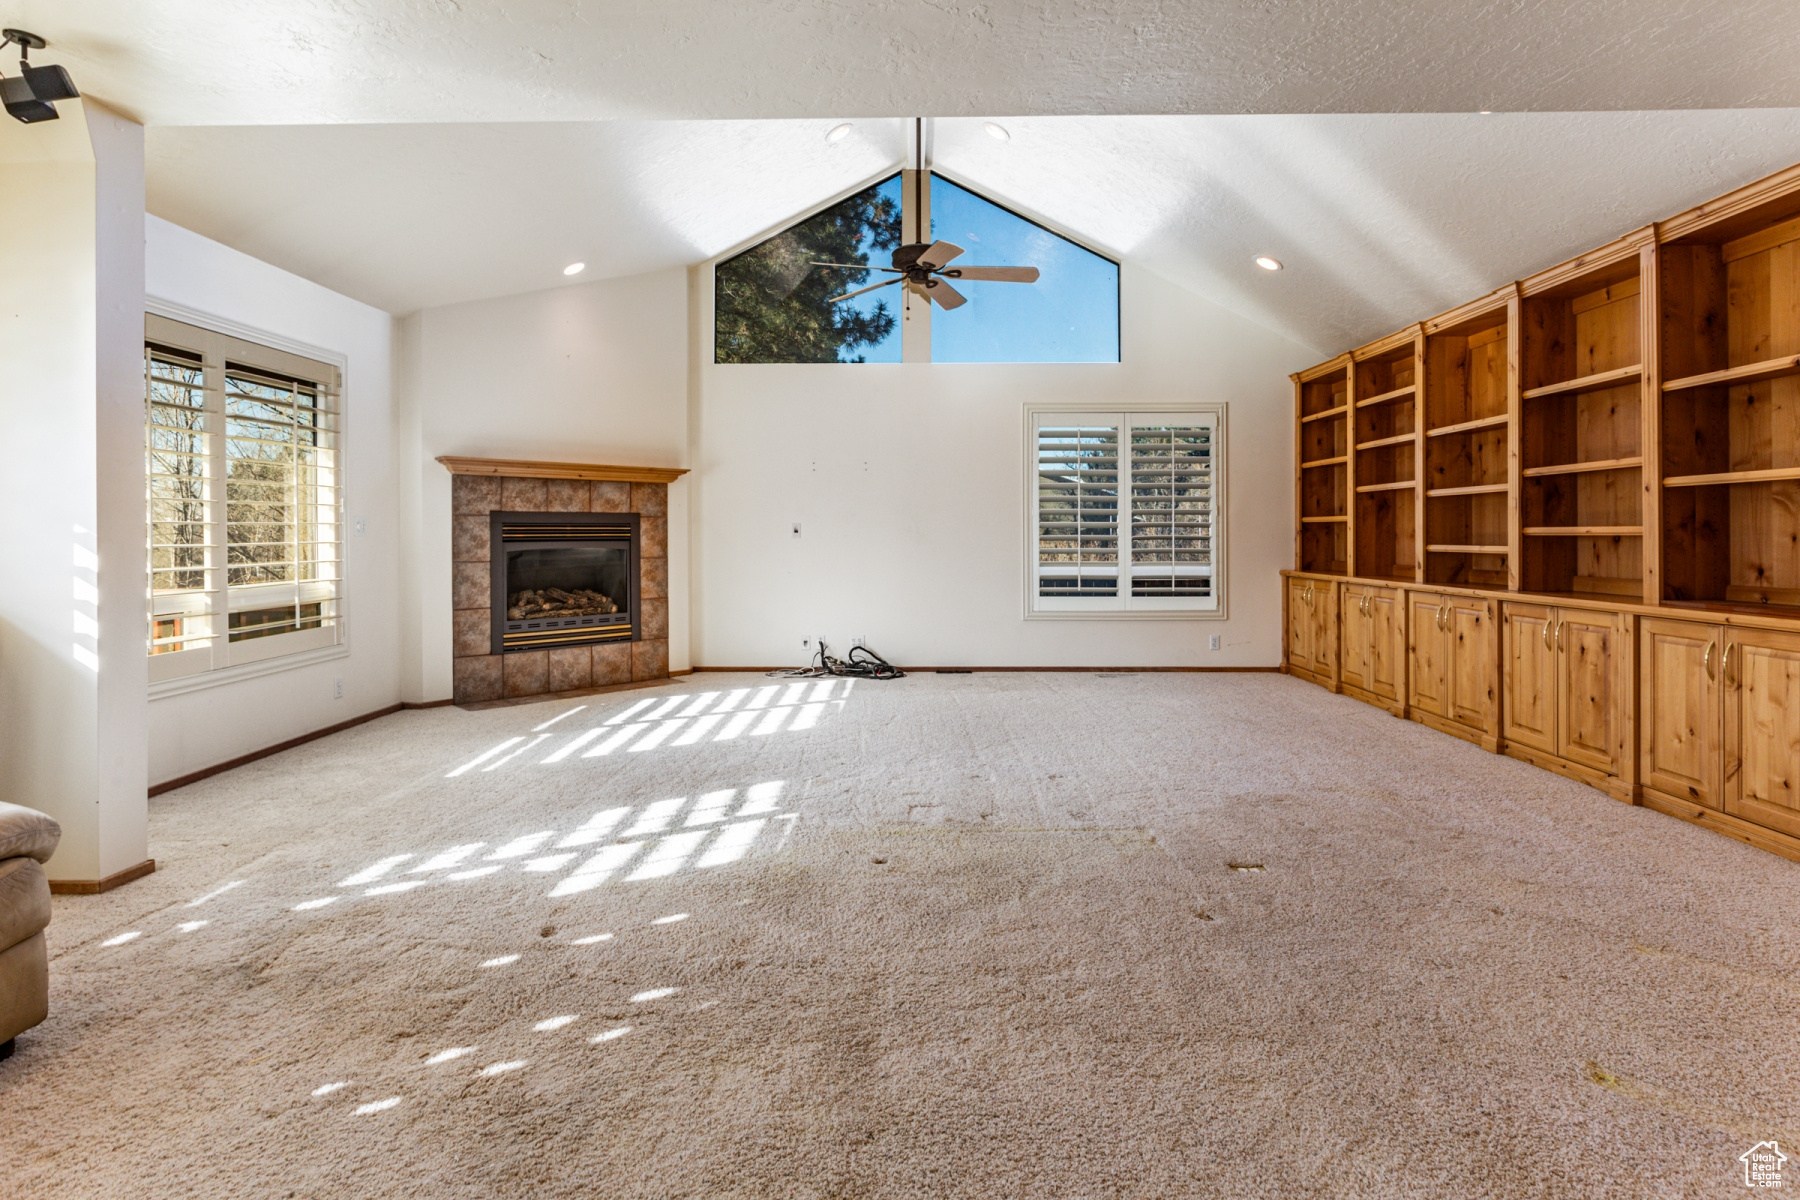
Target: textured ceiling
{"points": [[252, 62], [1381, 220]]}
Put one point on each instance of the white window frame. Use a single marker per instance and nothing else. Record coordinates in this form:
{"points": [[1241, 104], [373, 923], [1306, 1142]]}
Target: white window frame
{"points": [[1124, 606], [222, 661]]}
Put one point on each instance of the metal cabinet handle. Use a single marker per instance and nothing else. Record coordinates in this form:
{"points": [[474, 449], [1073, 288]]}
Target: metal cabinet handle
{"points": [[1725, 667], [1547, 624], [1707, 661], [1559, 628]]}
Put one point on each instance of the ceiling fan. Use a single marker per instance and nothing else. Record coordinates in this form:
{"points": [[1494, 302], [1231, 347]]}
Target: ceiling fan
{"points": [[924, 268], [925, 271]]}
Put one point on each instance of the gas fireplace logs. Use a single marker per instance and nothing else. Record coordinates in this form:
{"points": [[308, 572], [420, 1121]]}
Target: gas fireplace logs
{"points": [[554, 602]]}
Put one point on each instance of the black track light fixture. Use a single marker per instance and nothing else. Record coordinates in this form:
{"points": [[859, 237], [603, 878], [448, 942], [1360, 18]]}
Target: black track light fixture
{"points": [[33, 95]]}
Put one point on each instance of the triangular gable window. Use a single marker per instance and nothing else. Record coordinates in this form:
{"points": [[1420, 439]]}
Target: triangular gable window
{"points": [[776, 303]]}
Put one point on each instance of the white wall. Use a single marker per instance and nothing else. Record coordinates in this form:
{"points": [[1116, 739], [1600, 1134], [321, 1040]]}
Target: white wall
{"points": [[72, 609], [593, 372], [212, 284], [909, 484]]}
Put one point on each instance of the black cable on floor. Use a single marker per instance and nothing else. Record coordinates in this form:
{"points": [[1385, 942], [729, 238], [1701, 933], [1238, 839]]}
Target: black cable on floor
{"points": [[870, 666]]}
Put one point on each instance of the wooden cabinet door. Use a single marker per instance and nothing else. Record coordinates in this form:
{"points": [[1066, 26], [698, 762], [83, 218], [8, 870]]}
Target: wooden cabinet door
{"points": [[1761, 677], [1470, 676], [1299, 625], [1587, 706], [1324, 629], [1387, 647], [1425, 652], [1680, 734], [1528, 697], [1353, 638]]}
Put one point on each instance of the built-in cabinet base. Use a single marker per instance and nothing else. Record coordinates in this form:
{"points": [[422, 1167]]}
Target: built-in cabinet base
{"points": [[1699, 719]]}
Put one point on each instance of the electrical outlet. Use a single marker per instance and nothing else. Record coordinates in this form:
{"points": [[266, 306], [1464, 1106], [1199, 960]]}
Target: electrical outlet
{"points": [[860, 640], [361, 526], [1212, 643], [796, 529], [337, 688], [806, 643]]}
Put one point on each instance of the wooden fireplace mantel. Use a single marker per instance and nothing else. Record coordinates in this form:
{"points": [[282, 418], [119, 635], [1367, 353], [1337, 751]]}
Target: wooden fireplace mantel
{"points": [[520, 468]]}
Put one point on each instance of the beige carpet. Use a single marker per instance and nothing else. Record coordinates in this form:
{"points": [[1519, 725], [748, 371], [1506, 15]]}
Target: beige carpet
{"points": [[972, 936]]}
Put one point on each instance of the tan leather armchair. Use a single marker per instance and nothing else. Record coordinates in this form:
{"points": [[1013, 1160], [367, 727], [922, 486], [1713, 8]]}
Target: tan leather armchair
{"points": [[27, 840]]}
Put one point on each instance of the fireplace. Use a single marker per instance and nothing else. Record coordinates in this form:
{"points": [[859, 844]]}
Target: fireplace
{"points": [[563, 579], [591, 532]]}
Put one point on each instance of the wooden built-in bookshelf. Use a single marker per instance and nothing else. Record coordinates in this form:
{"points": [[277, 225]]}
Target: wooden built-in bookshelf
{"points": [[1322, 491], [1562, 520]]}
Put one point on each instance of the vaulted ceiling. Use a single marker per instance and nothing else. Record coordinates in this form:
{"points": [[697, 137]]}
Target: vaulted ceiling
{"points": [[422, 152]]}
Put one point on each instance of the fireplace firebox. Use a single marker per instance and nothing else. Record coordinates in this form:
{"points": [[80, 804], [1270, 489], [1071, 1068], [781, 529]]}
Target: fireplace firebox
{"points": [[563, 579]]}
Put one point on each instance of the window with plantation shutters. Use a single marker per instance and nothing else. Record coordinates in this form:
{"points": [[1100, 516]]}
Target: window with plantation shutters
{"points": [[1125, 511], [242, 487]]}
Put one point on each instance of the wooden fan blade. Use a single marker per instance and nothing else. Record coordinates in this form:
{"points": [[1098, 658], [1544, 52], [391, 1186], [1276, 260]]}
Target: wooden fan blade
{"points": [[872, 287], [937, 254], [944, 294], [996, 274], [855, 267]]}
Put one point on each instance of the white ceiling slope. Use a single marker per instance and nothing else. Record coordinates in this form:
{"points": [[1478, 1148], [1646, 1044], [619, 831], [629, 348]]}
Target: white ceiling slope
{"points": [[254, 62], [1381, 220]]}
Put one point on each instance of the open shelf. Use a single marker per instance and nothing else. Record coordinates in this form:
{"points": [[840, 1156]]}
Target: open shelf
{"points": [[1473, 489], [1756, 372], [1384, 429], [1583, 468], [1597, 382], [1730, 452], [1400, 393], [1580, 438], [1322, 406], [1583, 531], [1479, 423], [1767, 476]]}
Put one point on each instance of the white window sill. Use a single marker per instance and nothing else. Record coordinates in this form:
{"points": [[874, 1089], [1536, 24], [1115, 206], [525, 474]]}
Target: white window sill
{"points": [[183, 684]]}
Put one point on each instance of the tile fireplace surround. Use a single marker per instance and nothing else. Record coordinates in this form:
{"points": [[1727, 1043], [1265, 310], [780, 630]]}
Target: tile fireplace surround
{"points": [[482, 486]]}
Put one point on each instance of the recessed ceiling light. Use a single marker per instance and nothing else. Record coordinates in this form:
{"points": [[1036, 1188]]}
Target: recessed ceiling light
{"points": [[997, 132], [1486, 112], [1267, 263], [574, 268], [838, 132]]}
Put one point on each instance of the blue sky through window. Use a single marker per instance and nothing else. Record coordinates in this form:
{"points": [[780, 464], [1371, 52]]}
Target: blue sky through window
{"points": [[1071, 314]]}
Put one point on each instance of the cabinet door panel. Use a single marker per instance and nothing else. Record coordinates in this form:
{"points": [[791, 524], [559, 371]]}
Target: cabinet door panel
{"points": [[1680, 723], [1529, 695], [1762, 728], [1387, 648], [1425, 650], [1353, 638], [1586, 704], [1299, 626], [1324, 630], [1470, 682]]}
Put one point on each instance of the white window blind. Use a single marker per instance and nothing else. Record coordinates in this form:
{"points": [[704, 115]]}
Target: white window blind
{"points": [[1125, 511], [244, 531]]}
